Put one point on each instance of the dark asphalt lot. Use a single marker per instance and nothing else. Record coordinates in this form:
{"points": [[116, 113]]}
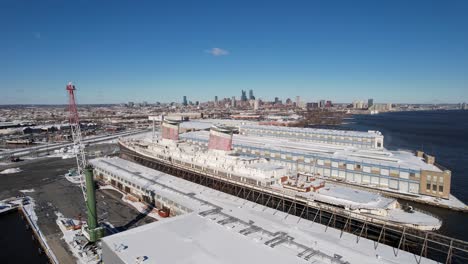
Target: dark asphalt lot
{"points": [[54, 193]]}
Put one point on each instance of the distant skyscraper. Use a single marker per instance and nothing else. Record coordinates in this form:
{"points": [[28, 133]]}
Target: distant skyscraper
{"points": [[184, 100], [251, 95], [328, 104], [216, 100], [370, 102], [310, 106], [243, 96], [276, 100], [298, 101], [233, 101], [322, 103], [358, 104]]}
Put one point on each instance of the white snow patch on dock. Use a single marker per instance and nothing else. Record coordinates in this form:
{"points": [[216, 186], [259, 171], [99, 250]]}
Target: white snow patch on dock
{"points": [[27, 191], [11, 171]]}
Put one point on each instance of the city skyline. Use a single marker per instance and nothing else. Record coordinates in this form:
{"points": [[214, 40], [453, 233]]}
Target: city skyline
{"points": [[395, 52]]}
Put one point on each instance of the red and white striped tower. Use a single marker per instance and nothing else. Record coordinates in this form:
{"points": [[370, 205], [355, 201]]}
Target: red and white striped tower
{"points": [[76, 134], [220, 138], [170, 129]]}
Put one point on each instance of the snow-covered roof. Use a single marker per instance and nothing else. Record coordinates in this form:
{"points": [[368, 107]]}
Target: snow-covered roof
{"points": [[192, 239], [220, 236], [350, 133]]}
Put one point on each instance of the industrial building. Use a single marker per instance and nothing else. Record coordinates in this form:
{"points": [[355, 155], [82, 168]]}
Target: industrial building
{"points": [[396, 171], [358, 139], [214, 227]]}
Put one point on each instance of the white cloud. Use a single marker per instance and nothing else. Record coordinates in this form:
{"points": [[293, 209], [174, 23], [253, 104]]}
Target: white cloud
{"points": [[217, 52]]}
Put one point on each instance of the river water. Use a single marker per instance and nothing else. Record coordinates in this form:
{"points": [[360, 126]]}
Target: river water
{"points": [[443, 134], [16, 243]]}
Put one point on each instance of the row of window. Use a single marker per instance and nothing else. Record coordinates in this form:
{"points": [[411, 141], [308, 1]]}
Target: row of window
{"points": [[171, 203], [434, 188], [350, 165], [305, 133], [314, 136], [435, 184], [326, 163], [158, 197]]}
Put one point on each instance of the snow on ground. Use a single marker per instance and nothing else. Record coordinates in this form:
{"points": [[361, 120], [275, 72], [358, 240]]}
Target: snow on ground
{"points": [[68, 237], [27, 191], [75, 179], [29, 210], [31, 214], [10, 171]]}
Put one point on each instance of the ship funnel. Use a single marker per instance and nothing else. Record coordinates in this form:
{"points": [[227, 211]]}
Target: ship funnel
{"points": [[221, 138], [170, 129]]}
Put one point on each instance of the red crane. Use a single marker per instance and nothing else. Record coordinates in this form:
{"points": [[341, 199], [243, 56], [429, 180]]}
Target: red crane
{"points": [[78, 146]]}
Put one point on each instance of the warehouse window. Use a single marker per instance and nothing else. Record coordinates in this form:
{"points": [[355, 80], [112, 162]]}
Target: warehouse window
{"points": [[428, 186], [441, 188]]}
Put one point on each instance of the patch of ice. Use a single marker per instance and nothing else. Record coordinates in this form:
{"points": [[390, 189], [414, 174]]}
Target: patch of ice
{"points": [[9, 171], [68, 156], [27, 191]]}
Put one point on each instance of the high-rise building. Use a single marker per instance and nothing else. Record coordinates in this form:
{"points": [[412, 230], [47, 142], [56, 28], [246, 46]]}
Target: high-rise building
{"points": [[233, 101], [370, 102], [243, 96], [251, 95], [256, 104], [328, 104], [298, 101], [276, 100], [216, 100], [184, 101], [310, 106], [358, 104], [322, 103]]}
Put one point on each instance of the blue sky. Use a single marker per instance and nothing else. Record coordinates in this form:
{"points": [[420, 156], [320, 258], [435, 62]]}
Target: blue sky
{"points": [[118, 51]]}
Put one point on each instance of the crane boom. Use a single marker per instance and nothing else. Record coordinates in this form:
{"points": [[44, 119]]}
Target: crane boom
{"points": [[75, 128]]}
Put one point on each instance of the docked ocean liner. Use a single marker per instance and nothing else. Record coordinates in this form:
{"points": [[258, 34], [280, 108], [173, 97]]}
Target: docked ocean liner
{"points": [[219, 160]]}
